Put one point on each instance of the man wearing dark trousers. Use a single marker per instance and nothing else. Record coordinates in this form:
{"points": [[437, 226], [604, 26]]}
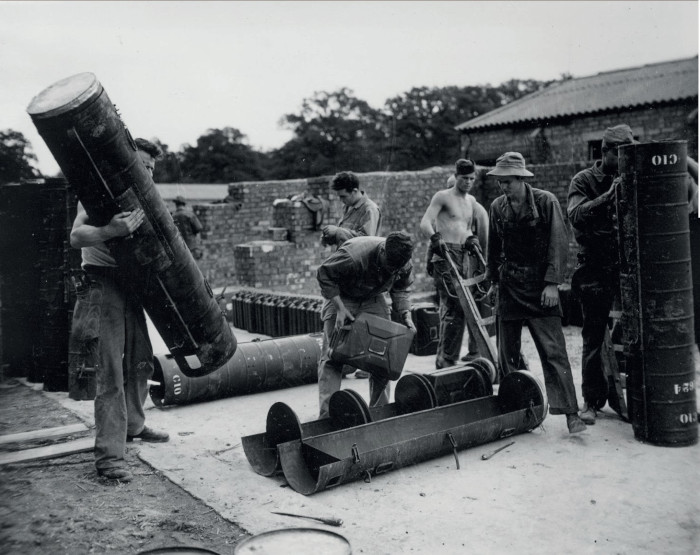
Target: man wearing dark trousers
{"points": [[109, 334], [528, 247], [450, 220], [596, 280]]}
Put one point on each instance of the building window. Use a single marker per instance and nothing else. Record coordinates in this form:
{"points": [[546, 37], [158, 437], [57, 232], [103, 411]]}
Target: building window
{"points": [[594, 150]]}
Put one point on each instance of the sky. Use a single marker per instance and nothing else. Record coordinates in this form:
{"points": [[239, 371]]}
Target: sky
{"points": [[178, 68]]}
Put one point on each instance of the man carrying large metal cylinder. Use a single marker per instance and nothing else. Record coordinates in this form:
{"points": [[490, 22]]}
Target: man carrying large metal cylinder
{"points": [[109, 334], [596, 280]]}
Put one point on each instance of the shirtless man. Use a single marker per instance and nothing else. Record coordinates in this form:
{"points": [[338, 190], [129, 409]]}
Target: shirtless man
{"points": [[457, 224]]}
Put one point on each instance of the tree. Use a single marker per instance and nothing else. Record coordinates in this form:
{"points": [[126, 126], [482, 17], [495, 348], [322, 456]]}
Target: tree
{"points": [[333, 132], [420, 123], [167, 169], [16, 157], [221, 156]]}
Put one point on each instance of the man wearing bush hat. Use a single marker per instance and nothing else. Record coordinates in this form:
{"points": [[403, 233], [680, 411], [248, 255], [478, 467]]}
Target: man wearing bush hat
{"points": [[527, 251]]}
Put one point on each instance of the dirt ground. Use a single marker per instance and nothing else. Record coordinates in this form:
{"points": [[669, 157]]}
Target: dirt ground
{"points": [[61, 506]]}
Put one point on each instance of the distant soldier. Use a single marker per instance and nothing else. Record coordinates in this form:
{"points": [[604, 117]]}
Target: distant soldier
{"points": [[189, 225]]}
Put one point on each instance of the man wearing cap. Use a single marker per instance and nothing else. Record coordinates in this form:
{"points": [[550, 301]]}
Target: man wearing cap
{"points": [[596, 280], [354, 279], [527, 251], [189, 225], [457, 225]]}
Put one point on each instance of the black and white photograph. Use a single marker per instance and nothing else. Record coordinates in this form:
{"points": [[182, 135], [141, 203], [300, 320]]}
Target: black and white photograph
{"points": [[350, 277]]}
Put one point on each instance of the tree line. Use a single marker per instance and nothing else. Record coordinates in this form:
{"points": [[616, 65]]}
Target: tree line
{"points": [[332, 131]]}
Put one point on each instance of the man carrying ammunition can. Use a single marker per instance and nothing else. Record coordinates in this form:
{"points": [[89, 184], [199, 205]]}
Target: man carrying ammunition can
{"points": [[354, 279]]}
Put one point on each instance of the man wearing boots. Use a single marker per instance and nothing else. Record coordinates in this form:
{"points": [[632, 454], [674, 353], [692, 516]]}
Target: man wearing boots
{"points": [[528, 247]]}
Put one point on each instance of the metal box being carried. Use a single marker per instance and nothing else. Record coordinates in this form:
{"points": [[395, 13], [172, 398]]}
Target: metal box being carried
{"points": [[374, 344]]}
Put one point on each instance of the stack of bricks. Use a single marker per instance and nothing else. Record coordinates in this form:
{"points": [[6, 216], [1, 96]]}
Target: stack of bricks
{"points": [[276, 265], [295, 217]]}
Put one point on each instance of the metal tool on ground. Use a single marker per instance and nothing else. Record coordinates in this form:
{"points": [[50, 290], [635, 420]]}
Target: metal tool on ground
{"points": [[324, 520], [487, 456]]}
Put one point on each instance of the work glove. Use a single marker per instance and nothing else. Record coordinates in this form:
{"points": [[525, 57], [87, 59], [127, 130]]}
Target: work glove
{"points": [[429, 260], [472, 245], [437, 244], [407, 321]]}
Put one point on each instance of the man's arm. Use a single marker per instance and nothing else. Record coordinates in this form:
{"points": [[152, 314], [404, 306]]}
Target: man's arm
{"points": [[495, 246], [480, 225], [369, 225], [583, 209], [430, 216], [558, 250], [401, 290], [122, 224], [196, 224]]}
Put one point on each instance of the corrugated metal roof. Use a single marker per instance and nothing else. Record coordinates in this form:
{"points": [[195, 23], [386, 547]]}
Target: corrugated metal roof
{"points": [[649, 84]]}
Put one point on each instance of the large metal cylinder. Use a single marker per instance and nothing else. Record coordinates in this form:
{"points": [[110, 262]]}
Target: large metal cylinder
{"points": [[256, 366], [315, 463], [657, 292], [95, 151]]}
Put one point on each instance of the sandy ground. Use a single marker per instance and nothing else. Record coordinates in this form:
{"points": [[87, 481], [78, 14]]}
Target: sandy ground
{"points": [[601, 491]]}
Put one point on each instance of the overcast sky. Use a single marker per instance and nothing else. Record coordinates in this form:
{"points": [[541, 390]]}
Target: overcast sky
{"points": [[176, 69]]}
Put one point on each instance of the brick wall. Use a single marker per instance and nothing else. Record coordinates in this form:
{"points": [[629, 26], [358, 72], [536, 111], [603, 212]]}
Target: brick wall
{"points": [[238, 241], [563, 140]]}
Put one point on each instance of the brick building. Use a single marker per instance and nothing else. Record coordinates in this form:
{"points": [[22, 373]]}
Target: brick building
{"points": [[563, 123]]}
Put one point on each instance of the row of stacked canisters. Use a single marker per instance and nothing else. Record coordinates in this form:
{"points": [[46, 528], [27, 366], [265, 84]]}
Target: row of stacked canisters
{"points": [[273, 313], [36, 293]]}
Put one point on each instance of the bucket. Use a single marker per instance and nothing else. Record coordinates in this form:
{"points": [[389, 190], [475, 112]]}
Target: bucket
{"points": [[295, 541]]}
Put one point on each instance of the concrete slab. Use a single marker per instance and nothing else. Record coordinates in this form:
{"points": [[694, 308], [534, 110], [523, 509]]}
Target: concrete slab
{"points": [[600, 491]]}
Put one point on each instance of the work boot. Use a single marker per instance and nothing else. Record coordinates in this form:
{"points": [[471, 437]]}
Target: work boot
{"points": [[116, 473], [574, 423], [588, 415], [150, 435], [469, 357]]}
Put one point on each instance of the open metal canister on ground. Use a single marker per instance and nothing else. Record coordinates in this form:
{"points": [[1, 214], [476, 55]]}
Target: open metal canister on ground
{"points": [[657, 292], [320, 462], [347, 408]]}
